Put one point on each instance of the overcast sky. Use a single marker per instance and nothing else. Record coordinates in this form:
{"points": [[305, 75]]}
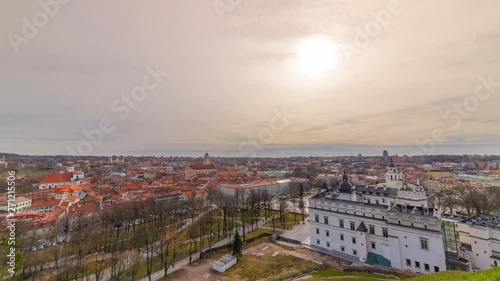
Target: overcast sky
{"points": [[231, 70]]}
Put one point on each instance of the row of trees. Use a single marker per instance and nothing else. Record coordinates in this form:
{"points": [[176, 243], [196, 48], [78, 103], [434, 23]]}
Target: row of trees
{"points": [[125, 238], [469, 200]]}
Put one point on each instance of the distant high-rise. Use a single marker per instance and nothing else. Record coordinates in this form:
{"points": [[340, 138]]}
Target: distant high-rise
{"points": [[385, 153]]}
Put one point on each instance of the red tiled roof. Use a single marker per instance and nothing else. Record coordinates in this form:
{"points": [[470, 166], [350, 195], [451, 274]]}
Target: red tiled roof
{"points": [[57, 177], [64, 205], [196, 192], [67, 189], [85, 208], [40, 203], [73, 199]]}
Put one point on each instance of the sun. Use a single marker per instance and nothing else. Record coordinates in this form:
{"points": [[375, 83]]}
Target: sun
{"points": [[317, 56]]}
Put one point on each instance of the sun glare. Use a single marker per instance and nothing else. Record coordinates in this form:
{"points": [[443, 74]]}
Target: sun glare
{"points": [[317, 55]]}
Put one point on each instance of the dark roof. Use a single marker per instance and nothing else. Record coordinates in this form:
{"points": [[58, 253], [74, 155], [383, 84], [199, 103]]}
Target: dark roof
{"points": [[362, 227], [345, 186], [376, 190], [202, 167]]}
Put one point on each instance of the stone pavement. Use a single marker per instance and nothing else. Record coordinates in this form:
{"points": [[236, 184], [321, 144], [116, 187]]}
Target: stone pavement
{"points": [[299, 232]]}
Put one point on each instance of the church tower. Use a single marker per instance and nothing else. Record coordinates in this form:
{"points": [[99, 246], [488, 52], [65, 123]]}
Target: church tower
{"points": [[392, 173], [206, 159]]}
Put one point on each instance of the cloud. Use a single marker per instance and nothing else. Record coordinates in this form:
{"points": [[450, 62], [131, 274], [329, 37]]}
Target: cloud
{"points": [[228, 76]]}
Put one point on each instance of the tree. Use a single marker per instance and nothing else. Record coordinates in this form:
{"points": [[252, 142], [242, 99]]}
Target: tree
{"points": [[302, 208], [237, 245]]}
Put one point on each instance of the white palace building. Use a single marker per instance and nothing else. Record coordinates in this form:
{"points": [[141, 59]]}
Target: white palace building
{"points": [[386, 224]]}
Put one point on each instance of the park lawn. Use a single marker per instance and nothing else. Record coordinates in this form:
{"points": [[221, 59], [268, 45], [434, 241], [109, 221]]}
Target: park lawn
{"points": [[266, 267], [184, 235], [290, 221]]}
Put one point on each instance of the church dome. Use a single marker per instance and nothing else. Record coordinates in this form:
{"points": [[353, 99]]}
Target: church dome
{"points": [[345, 186]]}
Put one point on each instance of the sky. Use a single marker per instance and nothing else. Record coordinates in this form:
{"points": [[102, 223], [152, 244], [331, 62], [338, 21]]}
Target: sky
{"points": [[412, 77]]}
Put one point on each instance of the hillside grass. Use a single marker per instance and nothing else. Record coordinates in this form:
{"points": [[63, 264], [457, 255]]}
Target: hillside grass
{"points": [[451, 275], [334, 274]]}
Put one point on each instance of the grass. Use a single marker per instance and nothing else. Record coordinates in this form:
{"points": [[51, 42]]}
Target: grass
{"points": [[333, 274], [262, 231], [176, 275], [269, 268], [486, 275], [290, 221]]}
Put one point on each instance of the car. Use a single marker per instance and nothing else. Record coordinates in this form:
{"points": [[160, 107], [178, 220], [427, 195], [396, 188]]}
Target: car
{"points": [[40, 247], [33, 248], [53, 244], [59, 242]]}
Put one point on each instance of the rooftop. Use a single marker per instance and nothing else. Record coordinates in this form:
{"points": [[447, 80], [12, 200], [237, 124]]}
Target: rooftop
{"points": [[57, 177], [415, 210], [484, 221]]}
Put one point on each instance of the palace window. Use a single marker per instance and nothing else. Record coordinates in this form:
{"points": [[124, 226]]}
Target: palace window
{"points": [[424, 244], [384, 232], [316, 218], [326, 219], [373, 245], [341, 223], [372, 229], [353, 240], [317, 230], [417, 264], [327, 233], [341, 237], [408, 262], [352, 225]]}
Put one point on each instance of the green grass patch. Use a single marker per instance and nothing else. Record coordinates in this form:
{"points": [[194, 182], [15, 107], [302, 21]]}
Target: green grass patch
{"points": [[486, 275], [331, 274], [262, 231]]}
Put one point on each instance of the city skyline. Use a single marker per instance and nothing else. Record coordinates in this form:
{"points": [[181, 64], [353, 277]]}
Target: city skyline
{"points": [[237, 84]]}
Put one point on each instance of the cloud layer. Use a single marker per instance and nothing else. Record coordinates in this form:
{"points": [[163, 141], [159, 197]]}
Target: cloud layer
{"points": [[228, 76]]}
